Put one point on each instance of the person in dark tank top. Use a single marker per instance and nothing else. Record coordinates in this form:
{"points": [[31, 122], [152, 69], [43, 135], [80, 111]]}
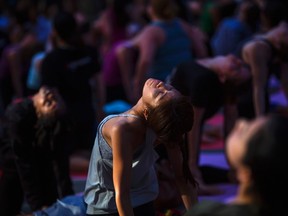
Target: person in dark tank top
{"points": [[164, 43], [265, 51]]}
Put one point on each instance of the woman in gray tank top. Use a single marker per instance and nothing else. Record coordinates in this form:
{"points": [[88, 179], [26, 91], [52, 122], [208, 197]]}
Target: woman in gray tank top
{"points": [[121, 178]]}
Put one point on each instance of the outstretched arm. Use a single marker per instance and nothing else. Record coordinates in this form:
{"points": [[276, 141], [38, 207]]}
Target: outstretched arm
{"points": [[147, 42], [125, 57], [122, 138], [257, 56], [144, 44]]}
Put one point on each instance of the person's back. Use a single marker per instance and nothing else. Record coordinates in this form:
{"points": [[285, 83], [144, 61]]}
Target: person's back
{"points": [[71, 71], [71, 68], [175, 49]]}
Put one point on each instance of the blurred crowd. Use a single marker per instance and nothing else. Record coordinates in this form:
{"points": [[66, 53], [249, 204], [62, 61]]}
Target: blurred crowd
{"points": [[220, 53]]}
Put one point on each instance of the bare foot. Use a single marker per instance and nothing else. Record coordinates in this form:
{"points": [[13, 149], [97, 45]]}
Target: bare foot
{"points": [[203, 188]]}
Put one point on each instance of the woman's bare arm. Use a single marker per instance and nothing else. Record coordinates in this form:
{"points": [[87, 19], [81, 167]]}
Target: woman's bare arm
{"points": [[257, 55], [123, 137]]}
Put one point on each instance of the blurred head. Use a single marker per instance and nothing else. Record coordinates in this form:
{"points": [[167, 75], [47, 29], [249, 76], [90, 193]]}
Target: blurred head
{"points": [[249, 12], [239, 137], [16, 33], [65, 26], [48, 103], [169, 113], [162, 9], [260, 148], [120, 10]]}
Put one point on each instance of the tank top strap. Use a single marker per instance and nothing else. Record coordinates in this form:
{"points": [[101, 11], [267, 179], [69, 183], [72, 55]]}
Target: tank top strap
{"points": [[272, 48], [116, 115], [150, 135], [113, 116]]}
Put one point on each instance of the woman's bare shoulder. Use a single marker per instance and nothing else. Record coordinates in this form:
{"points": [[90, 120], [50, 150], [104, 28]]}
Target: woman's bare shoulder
{"points": [[149, 34], [256, 49], [122, 125]]}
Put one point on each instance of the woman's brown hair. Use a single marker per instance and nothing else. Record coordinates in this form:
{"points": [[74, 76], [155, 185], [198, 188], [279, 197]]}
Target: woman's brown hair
{"points": [[171, 121]]}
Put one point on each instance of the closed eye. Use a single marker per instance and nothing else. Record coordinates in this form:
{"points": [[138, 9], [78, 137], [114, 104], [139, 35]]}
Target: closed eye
{"points": [[162, 94]]}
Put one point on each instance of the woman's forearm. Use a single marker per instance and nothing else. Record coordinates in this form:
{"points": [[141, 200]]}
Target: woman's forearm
{"points": [[124, 205]]}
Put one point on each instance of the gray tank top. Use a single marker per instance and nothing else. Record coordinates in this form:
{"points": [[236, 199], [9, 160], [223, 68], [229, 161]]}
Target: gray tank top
{"points": [[99, 191]]}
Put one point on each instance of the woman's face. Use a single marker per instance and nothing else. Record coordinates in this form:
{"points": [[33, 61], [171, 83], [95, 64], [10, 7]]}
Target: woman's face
{"points": [[239, 137], [48, 102], [156, 92]]}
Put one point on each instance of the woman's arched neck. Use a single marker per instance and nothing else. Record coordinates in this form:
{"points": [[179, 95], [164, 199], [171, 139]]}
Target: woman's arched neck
{"points": [[138, 110]]}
